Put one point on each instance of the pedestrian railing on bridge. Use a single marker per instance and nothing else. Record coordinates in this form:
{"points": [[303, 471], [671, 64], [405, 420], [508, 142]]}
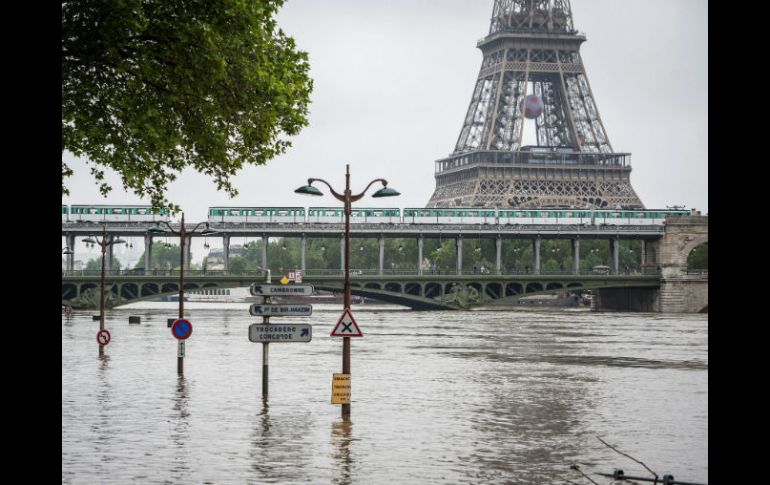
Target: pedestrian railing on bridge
{"points": [[193, 273]]}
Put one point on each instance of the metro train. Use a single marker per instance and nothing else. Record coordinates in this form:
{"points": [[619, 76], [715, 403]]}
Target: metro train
{"points": [[113, 213], [442, 215], [78, 213]]}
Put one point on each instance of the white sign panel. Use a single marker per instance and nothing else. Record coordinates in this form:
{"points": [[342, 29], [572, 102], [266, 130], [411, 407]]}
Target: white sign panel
{"points": [[263, 289], [346, 326], [286, 310], [259, 332]]}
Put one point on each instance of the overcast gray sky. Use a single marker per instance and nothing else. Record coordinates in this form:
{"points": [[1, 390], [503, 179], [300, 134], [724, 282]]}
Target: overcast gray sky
{"points": [[393, 81]]}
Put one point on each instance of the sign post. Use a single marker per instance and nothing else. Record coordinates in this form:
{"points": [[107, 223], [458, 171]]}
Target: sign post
{"points": [[181, 330], [266, 332]]}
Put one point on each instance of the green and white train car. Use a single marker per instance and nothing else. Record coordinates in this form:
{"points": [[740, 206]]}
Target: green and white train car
{"points": [[372, 215], [64, 213], [450, 216], [117, 213], [256, 214], [601, 217], [358, 215], [560, 216]]}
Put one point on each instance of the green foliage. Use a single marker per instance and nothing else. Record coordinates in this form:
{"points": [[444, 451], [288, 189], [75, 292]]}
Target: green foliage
{"points": [[237, 265], [162, 257], [699, 258], [438, 254], [152, 87], [95, 264]]}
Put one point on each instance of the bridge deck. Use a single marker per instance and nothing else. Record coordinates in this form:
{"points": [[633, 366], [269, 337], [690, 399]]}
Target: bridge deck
{"points": [[392, 230]]}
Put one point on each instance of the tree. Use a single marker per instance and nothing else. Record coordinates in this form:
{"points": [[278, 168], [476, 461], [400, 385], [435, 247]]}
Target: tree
{"points": [[152, 87], [237, 265], [95, 264], [699, 258], [162, 256]]}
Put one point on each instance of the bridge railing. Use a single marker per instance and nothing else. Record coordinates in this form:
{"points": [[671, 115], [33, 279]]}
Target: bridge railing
{"points": [[696, 272], [363, 272], [161, 272]]}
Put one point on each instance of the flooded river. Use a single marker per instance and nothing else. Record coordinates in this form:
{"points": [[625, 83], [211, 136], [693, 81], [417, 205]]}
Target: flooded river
{"points": [[438, 397]]}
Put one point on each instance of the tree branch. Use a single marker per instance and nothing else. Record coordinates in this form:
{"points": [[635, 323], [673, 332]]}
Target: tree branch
{"points": [[575, 467], [629, 456]]}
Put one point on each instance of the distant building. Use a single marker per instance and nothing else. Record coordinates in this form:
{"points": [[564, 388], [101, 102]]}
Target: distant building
{"points": [[216, 257]]}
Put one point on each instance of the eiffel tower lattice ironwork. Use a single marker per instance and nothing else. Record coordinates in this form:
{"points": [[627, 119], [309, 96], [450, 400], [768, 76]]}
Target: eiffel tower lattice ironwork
{"points": [[533, 48]]}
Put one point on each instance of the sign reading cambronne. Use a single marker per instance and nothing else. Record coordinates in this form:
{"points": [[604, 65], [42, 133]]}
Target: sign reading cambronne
{"points": [[280, 333], [260, 289]]}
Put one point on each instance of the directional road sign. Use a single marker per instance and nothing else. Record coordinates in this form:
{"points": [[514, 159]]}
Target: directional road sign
{"points": [[103, 336], [181, 329], [287, 310], [346, 326], [263, 289], [259, 332]]}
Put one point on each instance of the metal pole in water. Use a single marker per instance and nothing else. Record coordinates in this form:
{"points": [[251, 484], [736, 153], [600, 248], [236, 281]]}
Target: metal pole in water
{"points": [[180, 343], [265, 320]]}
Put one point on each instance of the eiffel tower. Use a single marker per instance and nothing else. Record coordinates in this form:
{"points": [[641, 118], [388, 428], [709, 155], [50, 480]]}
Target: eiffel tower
{"points": [[533, 49]]}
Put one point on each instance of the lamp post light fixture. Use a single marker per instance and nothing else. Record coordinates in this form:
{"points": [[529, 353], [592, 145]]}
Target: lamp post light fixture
{"points": [[182, 233], [347, 198], [103, 242]]}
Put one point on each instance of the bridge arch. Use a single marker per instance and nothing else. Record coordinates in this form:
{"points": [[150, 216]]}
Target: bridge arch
{"points": [[394, 287], [493, 290], [534, 287], [697, 258], [129, 291], [149, 289], [433, 290], [412, 288], [512, 289]]}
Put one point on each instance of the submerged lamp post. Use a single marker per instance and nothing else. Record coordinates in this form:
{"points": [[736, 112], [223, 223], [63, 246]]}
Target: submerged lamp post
{"points": [[347, 198], [103, 242], [182, 233]]}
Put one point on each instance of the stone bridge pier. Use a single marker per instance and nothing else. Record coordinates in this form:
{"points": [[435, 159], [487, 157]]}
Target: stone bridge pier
{"points": [[679, 291]]}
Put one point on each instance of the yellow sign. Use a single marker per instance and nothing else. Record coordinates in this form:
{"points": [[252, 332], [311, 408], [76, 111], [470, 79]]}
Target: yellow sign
{"points": [[341, 389], [284, 281]]}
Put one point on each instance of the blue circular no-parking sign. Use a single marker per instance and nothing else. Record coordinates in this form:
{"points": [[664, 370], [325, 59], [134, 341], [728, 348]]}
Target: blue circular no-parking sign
{"points": [[181, 329]]}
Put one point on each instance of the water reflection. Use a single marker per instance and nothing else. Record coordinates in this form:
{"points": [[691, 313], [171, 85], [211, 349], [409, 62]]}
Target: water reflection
{"points": [[341, 439], [280, 451], [180, 436], [103, 399], [261, 440], [529, 428]]}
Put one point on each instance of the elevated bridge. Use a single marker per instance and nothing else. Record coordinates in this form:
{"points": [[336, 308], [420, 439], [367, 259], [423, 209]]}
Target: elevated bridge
{"points": [[458, 232], [664, 284], [422, 292]]}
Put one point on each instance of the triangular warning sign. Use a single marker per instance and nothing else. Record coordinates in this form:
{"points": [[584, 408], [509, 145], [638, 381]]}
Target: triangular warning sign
{"points": [[347, 326]]}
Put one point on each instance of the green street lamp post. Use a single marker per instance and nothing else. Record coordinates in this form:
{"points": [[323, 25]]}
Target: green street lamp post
{"points": [[347, 198], [182, 233], [103, 242]]}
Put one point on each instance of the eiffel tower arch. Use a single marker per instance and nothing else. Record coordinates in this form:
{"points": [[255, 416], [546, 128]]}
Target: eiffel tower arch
{"points": [[533, 48]]}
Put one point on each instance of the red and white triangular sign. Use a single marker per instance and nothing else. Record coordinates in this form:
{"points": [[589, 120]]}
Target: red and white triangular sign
{"points": [[347, 326]]}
